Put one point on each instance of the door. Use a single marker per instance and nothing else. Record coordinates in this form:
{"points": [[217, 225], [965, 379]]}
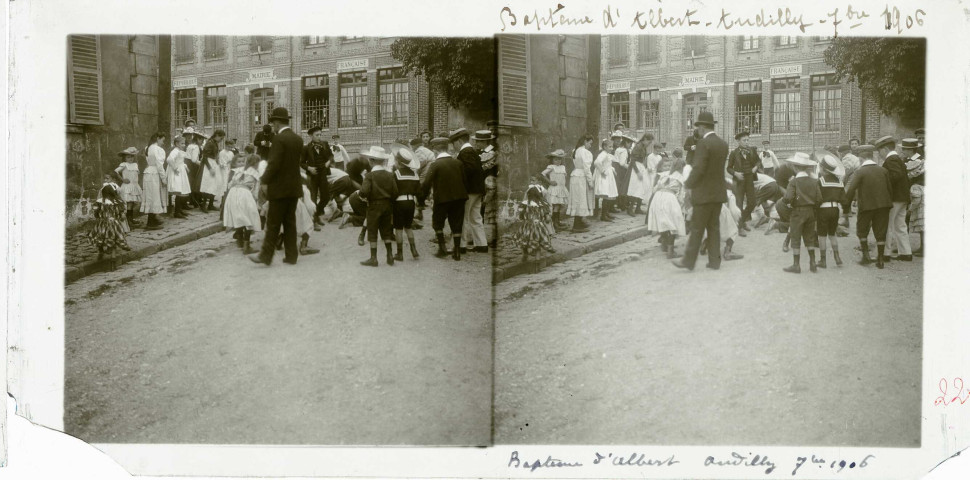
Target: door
{"points": [[694, 103], [261, 106]]}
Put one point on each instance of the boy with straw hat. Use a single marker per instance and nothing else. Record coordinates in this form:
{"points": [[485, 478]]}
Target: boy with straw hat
{"points": [[803, 194]]}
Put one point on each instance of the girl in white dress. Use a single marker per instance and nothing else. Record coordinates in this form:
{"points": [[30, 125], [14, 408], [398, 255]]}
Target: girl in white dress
{"points": [[604, 181], [580, 185], [639, 188], [152, 179], [130, 191], [557, 195], [178, 178], [192, 154], [241, 213], [665, 213]]}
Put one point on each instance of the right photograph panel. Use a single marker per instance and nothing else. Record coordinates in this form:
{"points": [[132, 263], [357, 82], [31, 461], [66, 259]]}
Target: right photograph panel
{"points": [[709, 240]]}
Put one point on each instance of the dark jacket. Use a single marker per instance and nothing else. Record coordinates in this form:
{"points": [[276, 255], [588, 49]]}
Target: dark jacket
{"points": [[897, 176], [872, 184], [784, 174], [356, 168], [408, 182], [317, 156], [706, 179], [447, 177], [379, 186], [282, 176], [803, 191], [469, 157], [832, 189], [742, 160], [262, 151]]}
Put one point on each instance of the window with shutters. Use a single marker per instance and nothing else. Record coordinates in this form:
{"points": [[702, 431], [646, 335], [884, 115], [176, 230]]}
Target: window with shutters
{"points": [[695, 46], [261, 44], [85, 102], [215, 47], [515, 81], [619, 50], [646, 48], [392, 106], [184, 48]]}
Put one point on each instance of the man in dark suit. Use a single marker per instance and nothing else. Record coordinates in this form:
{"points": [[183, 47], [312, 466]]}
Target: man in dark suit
{"points": [[316, 159], [467, 146], [898, 231], [263, 141], [708, 194], [743, 166], [875, 191], [447, 177], [284, 188]]}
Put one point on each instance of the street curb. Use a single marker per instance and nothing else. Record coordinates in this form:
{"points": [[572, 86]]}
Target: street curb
{"points": [[500, 274], [75, 273]]}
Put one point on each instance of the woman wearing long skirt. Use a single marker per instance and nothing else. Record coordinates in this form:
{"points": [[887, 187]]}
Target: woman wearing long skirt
{"points": [[639, 188], [152, 182], [665, 214], [178, 178], [241, 213], [604, 181], [580, 180]]}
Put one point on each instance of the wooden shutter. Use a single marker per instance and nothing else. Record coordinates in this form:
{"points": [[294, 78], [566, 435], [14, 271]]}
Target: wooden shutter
{"points": [[514, 81], [84, 80]]}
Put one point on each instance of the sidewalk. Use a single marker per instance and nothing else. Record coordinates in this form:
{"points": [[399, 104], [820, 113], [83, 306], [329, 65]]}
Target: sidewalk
{"points": [[508, 258], [81, 257]]}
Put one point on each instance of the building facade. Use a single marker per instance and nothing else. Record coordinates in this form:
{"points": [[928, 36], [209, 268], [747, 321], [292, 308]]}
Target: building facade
{"points": [[113, 102], [347, 85], [548, 100], [778, 88]]}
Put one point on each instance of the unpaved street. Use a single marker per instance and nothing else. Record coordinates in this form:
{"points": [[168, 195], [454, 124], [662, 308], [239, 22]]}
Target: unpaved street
{"points": [[620, 347]]}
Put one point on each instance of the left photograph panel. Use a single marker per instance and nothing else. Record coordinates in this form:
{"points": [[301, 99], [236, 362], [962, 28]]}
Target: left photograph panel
{"points": [[279, 240]]}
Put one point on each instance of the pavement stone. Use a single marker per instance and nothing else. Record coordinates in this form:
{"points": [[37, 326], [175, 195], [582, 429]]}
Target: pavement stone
{"points": [[81, 257]]}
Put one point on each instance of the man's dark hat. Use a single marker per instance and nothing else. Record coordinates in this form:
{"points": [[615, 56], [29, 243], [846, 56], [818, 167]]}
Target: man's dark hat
{"points": [[844, 149], [415, 142], [742, 134], [279, 113], [884, 141], [920, 131], [314, 129], [705, 118]]}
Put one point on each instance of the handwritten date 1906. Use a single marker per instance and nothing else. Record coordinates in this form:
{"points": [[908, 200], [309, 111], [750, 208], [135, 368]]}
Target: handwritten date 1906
{"points": [[837, 465]]}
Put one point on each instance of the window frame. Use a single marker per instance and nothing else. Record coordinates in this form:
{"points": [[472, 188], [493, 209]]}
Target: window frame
{"points": [[652, 104], [624, 104], [692, 40], [193, 111], [792, 42], [358, 86], [324, 109], [832, 113], [256, 43], [314, 41], [652, 48], [219, 49], [221, 94], [754, 126], [750, 43], [400, 109], [188, 56], [792, 123]]}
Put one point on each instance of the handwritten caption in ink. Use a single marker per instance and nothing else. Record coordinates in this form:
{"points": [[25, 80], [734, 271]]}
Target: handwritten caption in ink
{"points": [[891, 18], [958, 395], [638, 459]]}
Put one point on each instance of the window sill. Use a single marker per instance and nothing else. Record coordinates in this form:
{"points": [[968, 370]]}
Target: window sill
{"points": [[784, 47], [357, 127], [695, 57], [189, 61], [648, 61], [215, 59], [314, 45], [619, 65], [750, 50], [785, 134]]}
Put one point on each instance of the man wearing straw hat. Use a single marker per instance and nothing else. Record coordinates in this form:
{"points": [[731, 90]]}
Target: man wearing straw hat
{"points": [[874, 189], [468, 145], [284, 187], [446, 176], [898, 233], [706, 184]]}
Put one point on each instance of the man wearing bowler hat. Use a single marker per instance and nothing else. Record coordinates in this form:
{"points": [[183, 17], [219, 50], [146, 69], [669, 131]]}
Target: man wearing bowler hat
{"points": [[316, 159], [898, 234], [743, 166], [706, 184], [284, 187]]}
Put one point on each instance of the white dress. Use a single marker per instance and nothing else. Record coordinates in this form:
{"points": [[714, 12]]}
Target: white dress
{"points": [[640, 185], [730, 214], [581, 178], [241, 210], [178, 174], [557, 194], [304, 213], [152, 192], [225, 162], [130, 192], [212, 179], [604, 180], [666, 212]]}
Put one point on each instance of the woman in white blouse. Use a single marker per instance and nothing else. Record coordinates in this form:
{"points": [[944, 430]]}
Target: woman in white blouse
{"points": [[152, 180], [580, 184]]}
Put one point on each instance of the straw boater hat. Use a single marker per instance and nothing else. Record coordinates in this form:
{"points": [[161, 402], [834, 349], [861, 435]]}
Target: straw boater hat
{"points": [[483, 135], [832, 165], [801, 159], [557, 154], [629, 138], [910, 143], [616, 134], [404, 157], [439, 140], [192, 131], [376, 153], [128, 151], [454, 134]]}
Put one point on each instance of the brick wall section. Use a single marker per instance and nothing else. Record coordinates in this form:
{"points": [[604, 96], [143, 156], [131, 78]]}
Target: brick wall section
{"points": [[292, 59], [724, 64]]}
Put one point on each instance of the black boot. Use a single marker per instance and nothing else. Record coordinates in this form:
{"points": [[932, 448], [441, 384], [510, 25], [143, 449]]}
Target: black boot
{"points": [[838, 259], [360, 238], [821, 259], [796, 266], [555, 221], [637, 210], [604, 213], [456, 253], [880, 255], [442, 251], [390, 253], [785, 246], [579, 226], [414, 250], [864, 245], [400, 250], [811, 261], [372, 261]]}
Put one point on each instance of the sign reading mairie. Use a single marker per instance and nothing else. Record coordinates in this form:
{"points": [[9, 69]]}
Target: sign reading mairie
{"points": [[353, 64], [618, 87], [261, 75], [786, 70], [186, 82], [693, 80]]}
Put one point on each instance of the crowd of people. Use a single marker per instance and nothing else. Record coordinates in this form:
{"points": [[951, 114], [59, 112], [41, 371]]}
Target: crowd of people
{"points": [[710, 194], [289, 189]]}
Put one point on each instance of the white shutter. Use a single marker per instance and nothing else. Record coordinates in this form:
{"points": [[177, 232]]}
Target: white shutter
{"points": [[514, 81], [84, 79]]}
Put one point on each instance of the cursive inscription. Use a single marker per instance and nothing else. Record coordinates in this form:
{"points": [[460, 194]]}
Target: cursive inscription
{"points": [[835, 464], [738, 460], [958, 395], [515, 462], [634, 460]]}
